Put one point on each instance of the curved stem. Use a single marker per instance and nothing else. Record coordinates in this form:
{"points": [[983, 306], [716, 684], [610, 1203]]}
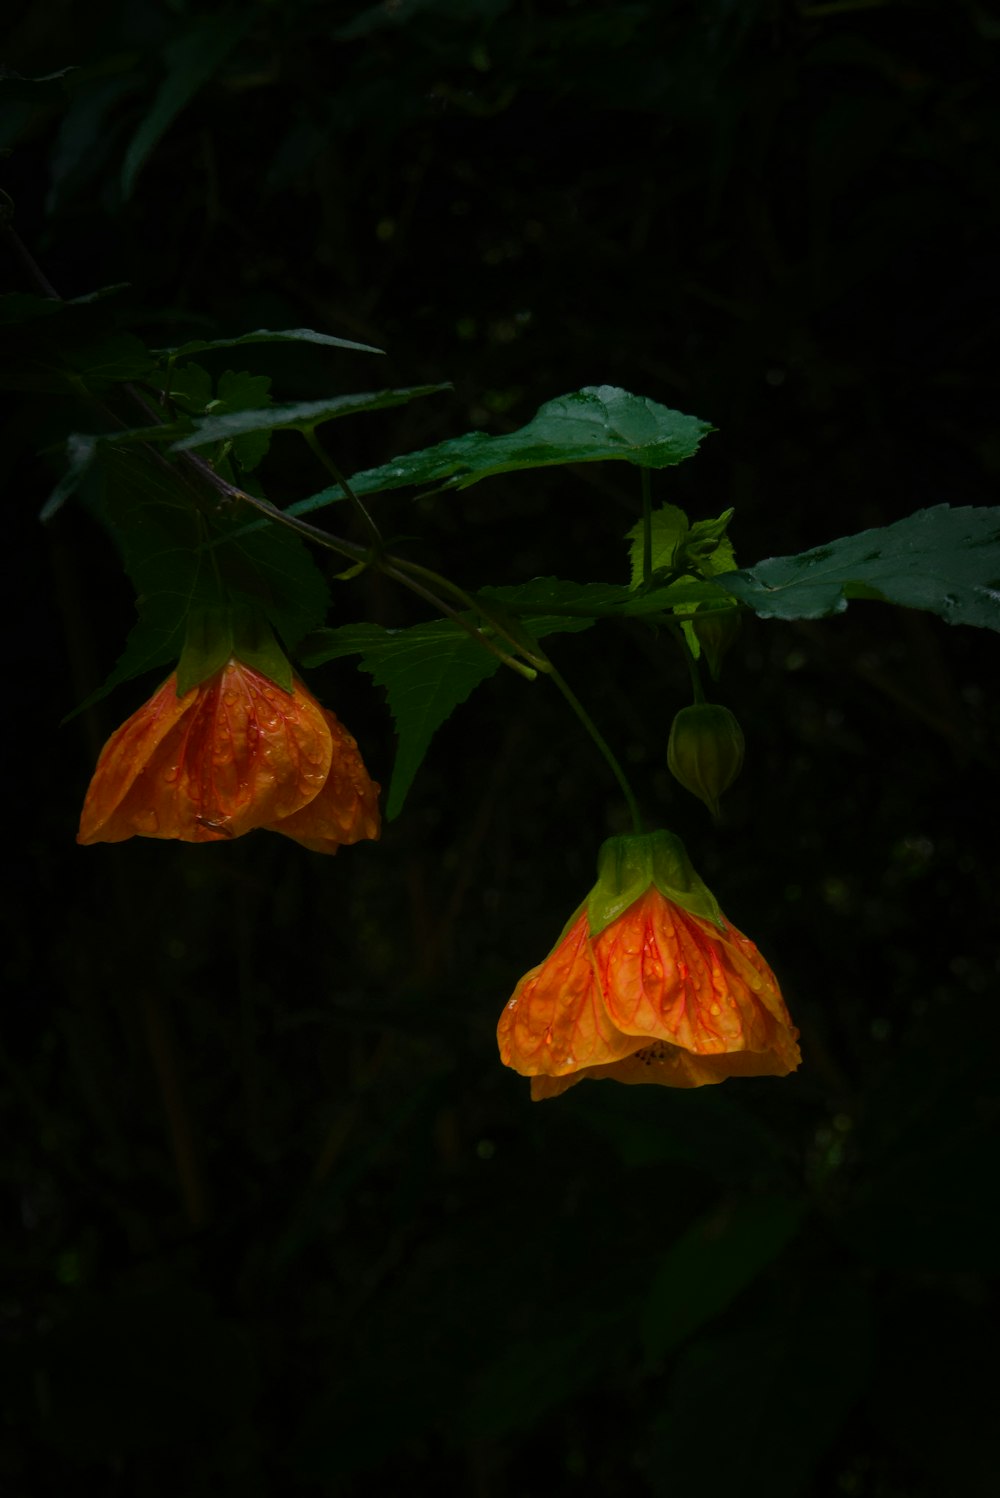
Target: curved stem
{"points": [[388, 569], [602, 745], [414, 569], [360, 509]]}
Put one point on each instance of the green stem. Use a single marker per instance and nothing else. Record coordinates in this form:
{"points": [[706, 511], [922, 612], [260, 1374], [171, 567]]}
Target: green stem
{"points": [[602, 745], [647, 529], [415, 570], [360, 509], [697, 691], [388, 569]]}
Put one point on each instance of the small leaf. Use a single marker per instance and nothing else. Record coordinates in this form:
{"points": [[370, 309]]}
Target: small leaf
{"points": [[80, 453], [427, 671], [669, 527], [239, 392], [944, 560], [265, 335], [298, 417]]}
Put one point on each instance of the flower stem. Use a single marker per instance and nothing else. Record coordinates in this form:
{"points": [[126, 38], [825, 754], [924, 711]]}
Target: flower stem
{"points": [[697, 691], [647, 529], [360, 509], [602, 745]]}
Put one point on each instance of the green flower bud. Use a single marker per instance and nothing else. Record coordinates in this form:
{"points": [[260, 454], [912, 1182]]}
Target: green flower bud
{"points": [[716, 630], [705, 752]]}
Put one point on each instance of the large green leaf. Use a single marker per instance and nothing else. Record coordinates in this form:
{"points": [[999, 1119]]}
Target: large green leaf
{"points": [[427, 671], [590, 426], [942, 559], [299, 417], [178, 557], [265, 335]]}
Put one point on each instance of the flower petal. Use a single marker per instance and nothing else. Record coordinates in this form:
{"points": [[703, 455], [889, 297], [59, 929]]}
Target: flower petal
{"points": [[672, 976], [669, 1066], [235, 753], [346, 809], [556, 1021]]}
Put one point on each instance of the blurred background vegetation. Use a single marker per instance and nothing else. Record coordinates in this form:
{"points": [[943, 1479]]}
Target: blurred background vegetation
{"points": [[278, 1222]]}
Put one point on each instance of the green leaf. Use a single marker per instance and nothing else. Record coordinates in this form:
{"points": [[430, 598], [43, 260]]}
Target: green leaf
{"points": [[708, 548], [160, 534], [80, 453], [245, 392], [111, 359], [592, 425], [553, 595], [669, 527], [189, 385], [179, 558], [707, 1267], [191, 60], [430, 669], [265, 335], [427, 671], [944, 560], [298, 417]]}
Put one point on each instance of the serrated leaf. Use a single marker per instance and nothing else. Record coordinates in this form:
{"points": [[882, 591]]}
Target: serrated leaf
{"points": [[189, 385], [266, 335], [668, 526], [191, 58], [110, 359], [942, 559], [427, 671], [593, 425], [430, 669], [299, 417], [245, 392], [179, 558]]}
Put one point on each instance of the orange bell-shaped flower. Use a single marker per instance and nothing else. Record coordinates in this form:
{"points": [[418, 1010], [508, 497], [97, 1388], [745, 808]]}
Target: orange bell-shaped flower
{"points": [[232, 753], [648, 983]]}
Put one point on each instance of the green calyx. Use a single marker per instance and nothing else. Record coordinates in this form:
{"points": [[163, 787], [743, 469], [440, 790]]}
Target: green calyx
{"points": [[628, 865], [215, 634], [705, 751]]}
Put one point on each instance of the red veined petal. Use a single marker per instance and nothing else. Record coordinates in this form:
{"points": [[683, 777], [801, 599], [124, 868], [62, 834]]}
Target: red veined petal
{"points": [[556, 1023], [346, 809]]}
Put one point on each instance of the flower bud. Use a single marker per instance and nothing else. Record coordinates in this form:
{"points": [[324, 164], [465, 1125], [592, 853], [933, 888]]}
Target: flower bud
{"points": [[705, 752], [716, 629]]}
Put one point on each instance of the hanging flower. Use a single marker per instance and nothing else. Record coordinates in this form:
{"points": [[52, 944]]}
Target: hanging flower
{"points": [[230, 754], [648, 983]]}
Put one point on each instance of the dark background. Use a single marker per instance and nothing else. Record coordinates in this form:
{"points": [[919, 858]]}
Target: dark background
{"points": [[277, 1221]]}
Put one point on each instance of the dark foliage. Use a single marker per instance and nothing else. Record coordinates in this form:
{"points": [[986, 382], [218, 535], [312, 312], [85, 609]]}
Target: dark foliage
{"points": [[278, 1222]]}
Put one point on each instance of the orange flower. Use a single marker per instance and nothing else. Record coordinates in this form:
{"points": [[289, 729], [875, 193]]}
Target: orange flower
{"points": [[648, 983], [233, 753]]}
